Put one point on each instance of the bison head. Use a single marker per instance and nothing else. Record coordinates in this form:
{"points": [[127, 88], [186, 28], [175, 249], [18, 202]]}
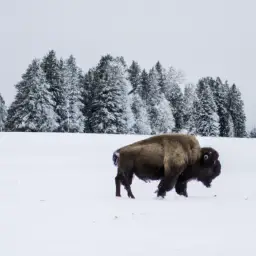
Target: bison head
{"points": [[209, 156], [210, 166]]}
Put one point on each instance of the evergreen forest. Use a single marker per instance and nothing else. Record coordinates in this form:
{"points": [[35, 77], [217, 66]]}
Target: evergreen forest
{"points": [[55, 95]]}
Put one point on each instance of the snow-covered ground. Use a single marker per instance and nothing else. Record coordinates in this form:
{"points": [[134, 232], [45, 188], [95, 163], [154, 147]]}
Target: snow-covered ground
{"points": [[57, 198]]}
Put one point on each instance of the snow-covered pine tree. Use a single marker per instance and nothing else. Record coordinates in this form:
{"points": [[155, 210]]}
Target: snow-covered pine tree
{"points": [[88, 94], [143, 89], [208, 123], [159, 109], [236, 108], [222, 101], [230, 125], [32, 110], [195, 120], [81, 77], [220, 93], [126, 88], [134, 76], [62, 98], [188, 117], [3, 113], [50, 66], [73, 119], [252, 133], [139, 109], [142, 123], [174, 95], [111, 106], [161, 76]]}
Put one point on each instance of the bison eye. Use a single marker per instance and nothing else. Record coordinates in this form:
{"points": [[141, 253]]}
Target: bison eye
{"points": [[205, 157]]}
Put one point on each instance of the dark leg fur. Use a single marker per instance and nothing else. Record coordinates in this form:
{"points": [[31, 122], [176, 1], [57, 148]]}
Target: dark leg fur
{"points": [[118, 186], [126, 182], [167, 183], [181, 188]]}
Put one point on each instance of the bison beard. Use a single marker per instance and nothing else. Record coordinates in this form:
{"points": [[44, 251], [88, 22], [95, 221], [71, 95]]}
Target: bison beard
{"points": [[162, 157]]}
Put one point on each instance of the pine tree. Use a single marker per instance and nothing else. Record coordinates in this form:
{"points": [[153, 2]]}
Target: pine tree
{"points": [[32, 109], [189, 100], [228, 131], [143, 89], [220, 93], [111, 106], [88, 94], [161, 76], [252, 133], [224, 114], [138, 105], [236, 108], [51, 68], [195, 119], [73, 120], [231, 126], [61, 100], [159, 109], [174, 95], [134, 76], [3, 113], [207, 120], [142, 123]]}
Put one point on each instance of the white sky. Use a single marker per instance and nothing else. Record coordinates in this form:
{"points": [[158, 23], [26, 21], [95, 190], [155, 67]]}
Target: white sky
{"points": [[203, 38]]}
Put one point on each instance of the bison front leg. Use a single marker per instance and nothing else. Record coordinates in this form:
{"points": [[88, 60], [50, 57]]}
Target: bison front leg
{"points": [[171, 175], [181, 188], [167, 184]]}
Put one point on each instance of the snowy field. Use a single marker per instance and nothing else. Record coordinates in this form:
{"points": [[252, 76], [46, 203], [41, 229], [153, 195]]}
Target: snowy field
{"points": [[57, 198]]}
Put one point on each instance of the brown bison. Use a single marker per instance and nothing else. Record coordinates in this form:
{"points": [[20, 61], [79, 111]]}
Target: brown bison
{"points": [[205, 170], [162, 157]]}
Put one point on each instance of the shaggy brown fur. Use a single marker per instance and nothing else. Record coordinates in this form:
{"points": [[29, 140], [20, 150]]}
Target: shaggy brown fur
{"points": [[162, 157], [205, 170]]}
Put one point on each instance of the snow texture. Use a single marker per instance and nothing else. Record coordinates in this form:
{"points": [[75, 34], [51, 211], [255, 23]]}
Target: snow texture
{"points": [[57, 197]]}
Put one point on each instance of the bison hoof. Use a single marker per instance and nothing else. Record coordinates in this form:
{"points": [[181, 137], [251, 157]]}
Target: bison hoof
{"points": [[185, 194], [131, 196], [161, 193], [207, 184], [182, 193]]}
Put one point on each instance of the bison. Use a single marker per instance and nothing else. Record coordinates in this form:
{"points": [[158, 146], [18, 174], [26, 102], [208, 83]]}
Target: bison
{"points": [[161, 157], [204, 170]]}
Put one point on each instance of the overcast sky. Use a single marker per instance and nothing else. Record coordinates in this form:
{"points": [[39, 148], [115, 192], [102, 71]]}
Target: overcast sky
{"points": [[203, 38]]}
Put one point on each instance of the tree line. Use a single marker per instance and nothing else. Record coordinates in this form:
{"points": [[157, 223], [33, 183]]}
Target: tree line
{"points": [[55, 95]]}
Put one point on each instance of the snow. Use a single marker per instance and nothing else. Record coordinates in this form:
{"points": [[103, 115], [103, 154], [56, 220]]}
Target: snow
{"points": [[57, 197]]}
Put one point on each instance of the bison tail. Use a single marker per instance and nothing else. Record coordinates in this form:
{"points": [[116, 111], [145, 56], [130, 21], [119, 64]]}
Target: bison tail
{"points": [[115, 158]]}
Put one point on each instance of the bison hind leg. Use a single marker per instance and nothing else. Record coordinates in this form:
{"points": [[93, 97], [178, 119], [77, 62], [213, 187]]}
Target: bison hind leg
{"points": [[126, 181], [118, 186]]}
